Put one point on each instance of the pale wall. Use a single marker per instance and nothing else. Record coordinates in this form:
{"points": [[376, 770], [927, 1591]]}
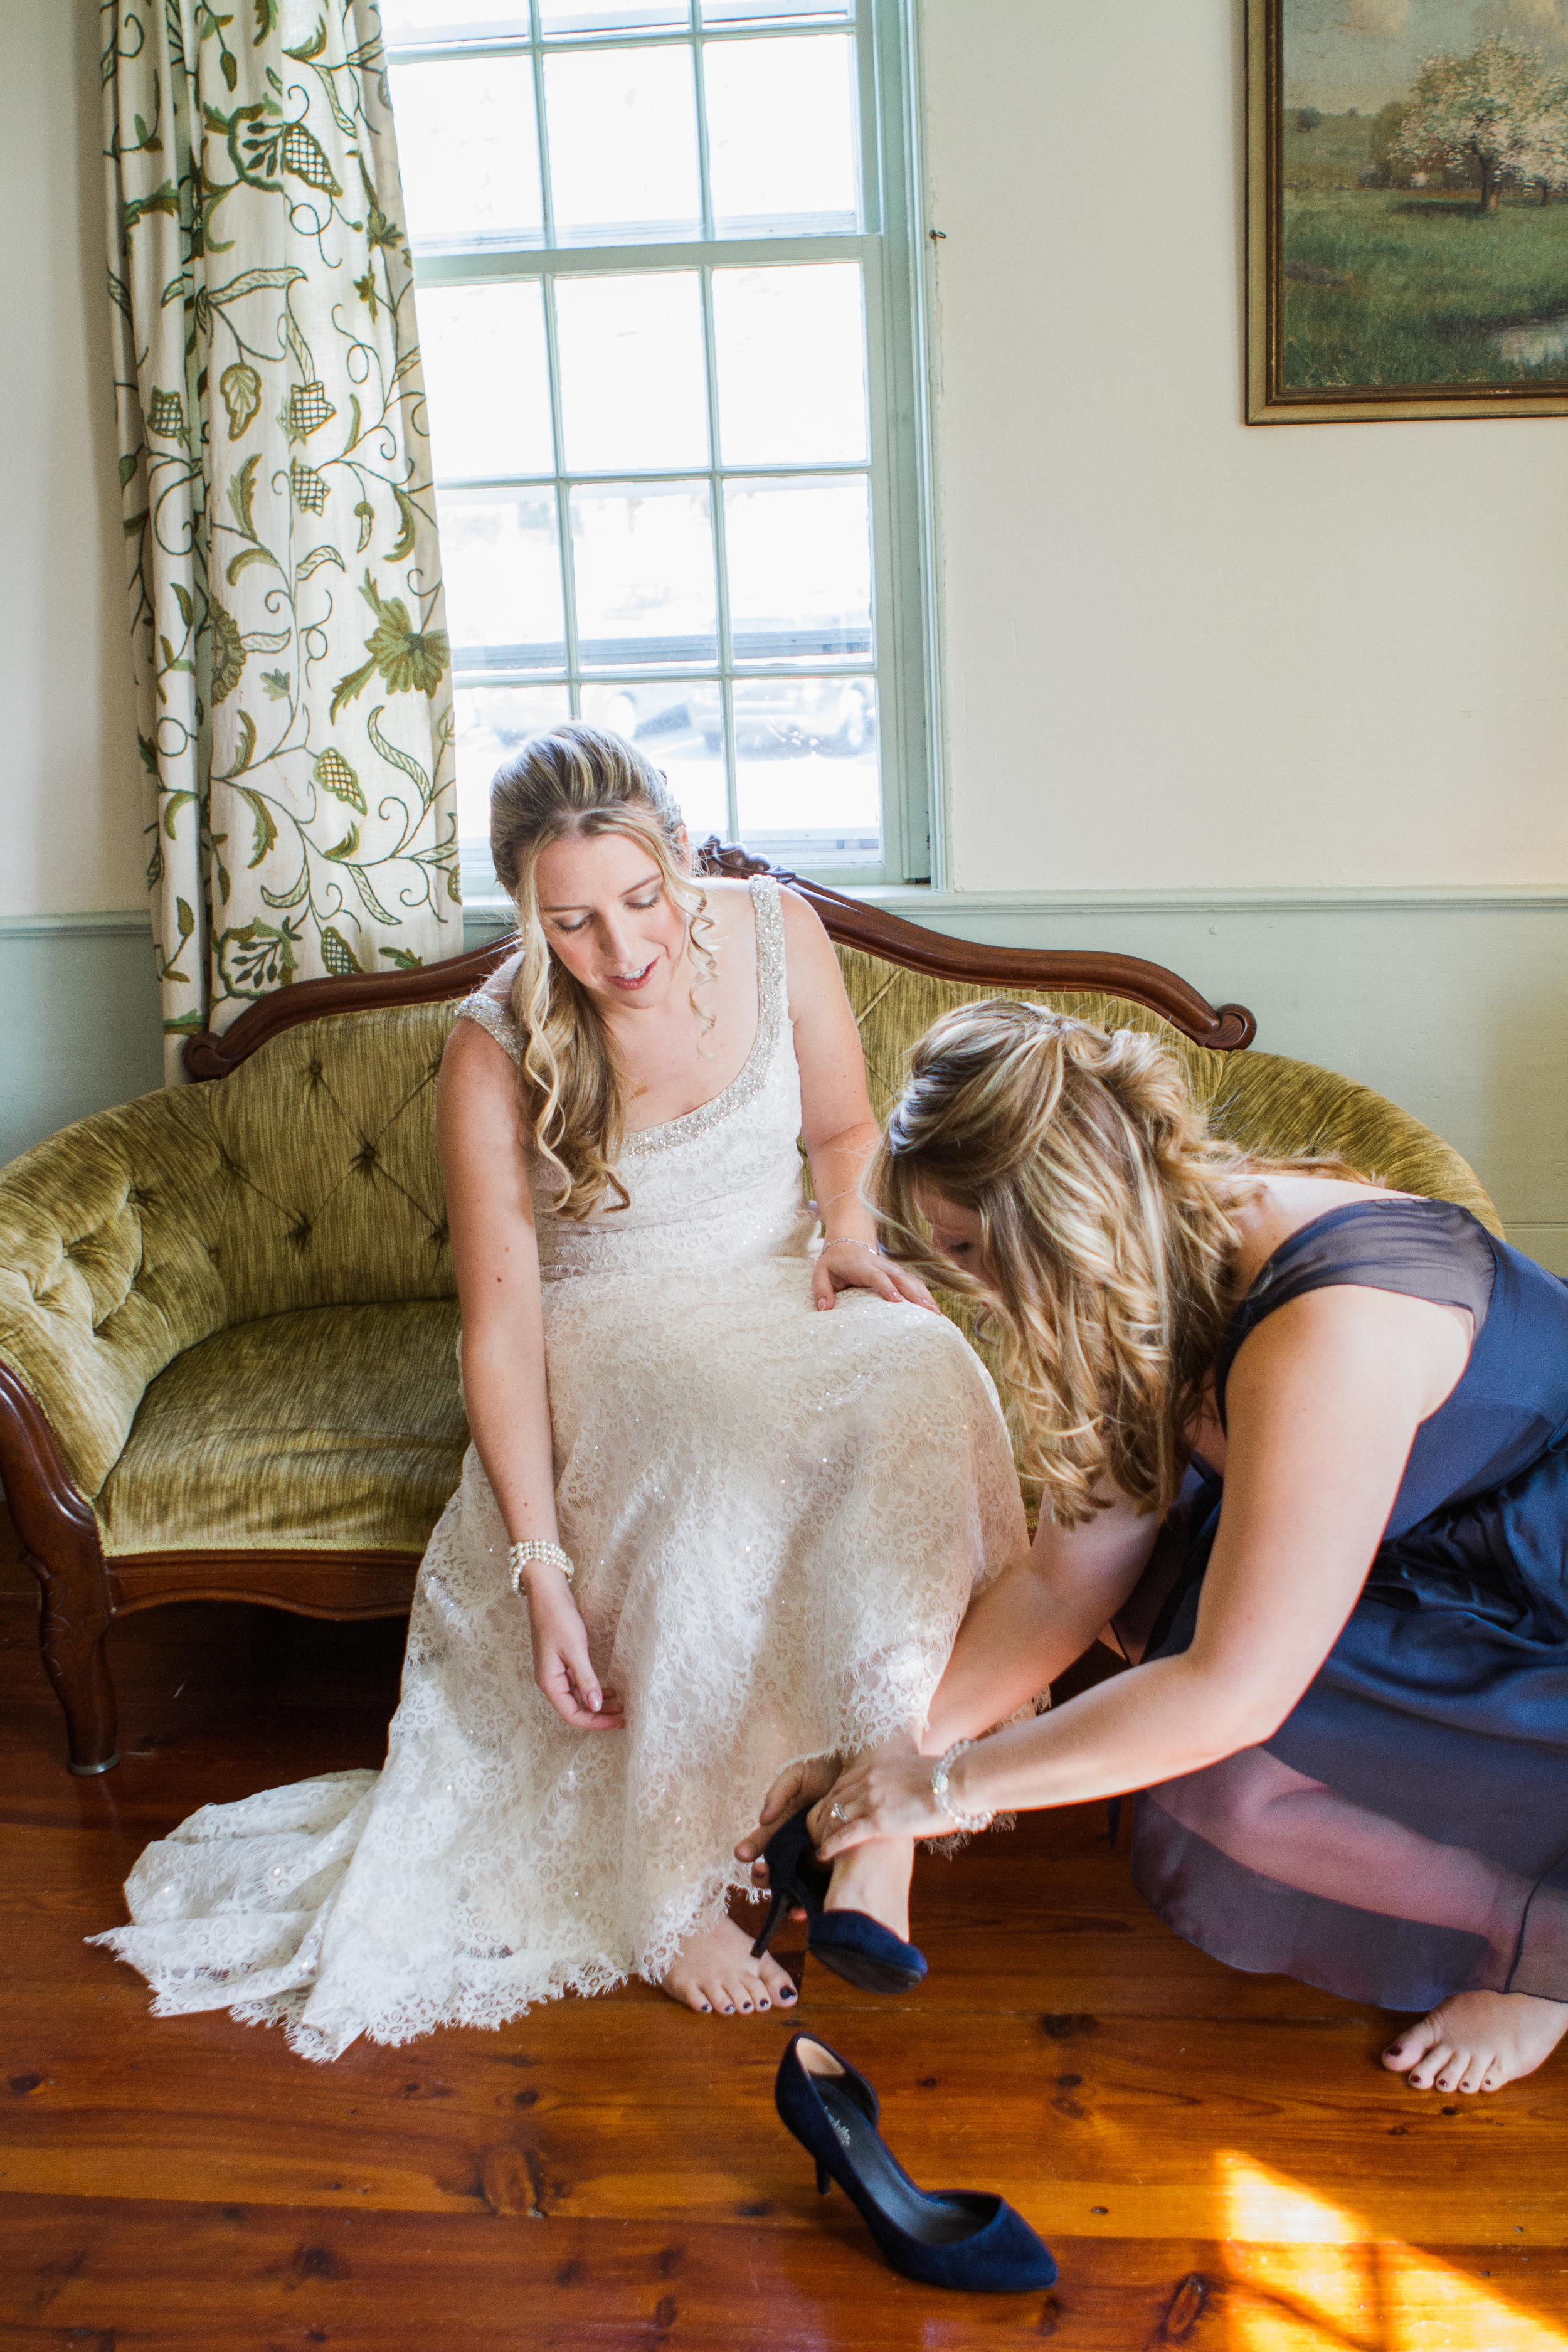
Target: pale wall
{"points": [[70, 805], [1182, 652]]}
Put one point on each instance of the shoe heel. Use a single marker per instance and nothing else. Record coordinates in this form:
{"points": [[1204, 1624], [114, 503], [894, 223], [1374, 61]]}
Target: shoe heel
{"points": [[778, 1904], [824, 2178]]}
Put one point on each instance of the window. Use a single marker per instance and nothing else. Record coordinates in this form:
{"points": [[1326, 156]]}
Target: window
{"points": [[668, 313]]}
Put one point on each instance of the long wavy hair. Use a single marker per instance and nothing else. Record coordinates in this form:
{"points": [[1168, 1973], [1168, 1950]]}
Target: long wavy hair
{"points": [[577, 780], [1108, 1218]]}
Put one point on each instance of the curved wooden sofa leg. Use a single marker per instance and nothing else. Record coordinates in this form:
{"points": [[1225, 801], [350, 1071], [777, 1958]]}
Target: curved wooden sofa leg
{"points": [[70, 1634], [60, 1545]]}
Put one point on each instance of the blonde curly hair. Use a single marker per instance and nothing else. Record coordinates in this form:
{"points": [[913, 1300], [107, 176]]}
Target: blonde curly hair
{"points": [[578, 779], [1108, 1217]]}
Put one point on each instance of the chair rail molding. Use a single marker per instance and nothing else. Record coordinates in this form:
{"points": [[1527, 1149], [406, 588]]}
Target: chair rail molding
{"points": [[491, 911], [118, 923]]}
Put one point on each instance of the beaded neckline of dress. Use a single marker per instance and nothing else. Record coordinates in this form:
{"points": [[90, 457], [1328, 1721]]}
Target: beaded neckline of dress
{"points": [[748, 1079], [496, 1019]]}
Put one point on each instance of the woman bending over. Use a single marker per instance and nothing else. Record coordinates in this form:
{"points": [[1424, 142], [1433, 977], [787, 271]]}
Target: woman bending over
{"points": [[1341, 1409]]}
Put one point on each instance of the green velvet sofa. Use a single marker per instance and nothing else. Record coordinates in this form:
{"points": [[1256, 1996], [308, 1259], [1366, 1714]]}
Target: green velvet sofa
{"points": [[228, 1315]]}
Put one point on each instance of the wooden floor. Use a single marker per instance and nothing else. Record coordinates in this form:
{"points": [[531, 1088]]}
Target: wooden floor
{"points": [[1216, 2160]]}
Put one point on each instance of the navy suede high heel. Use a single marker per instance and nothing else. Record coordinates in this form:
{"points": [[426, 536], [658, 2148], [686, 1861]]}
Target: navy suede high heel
{"points": [[957, 2238], [851, 1943]]}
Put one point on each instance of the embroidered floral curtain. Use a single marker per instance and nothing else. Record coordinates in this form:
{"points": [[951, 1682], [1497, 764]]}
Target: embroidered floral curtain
{"points": [[292, 671]]}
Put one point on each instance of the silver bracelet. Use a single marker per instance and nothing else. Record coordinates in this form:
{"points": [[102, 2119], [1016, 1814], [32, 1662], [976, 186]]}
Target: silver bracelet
{"points": [[518, 1555], [972, 1823]]}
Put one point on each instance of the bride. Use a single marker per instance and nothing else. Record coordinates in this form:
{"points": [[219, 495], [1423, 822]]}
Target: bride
{"points": [[729, 1495]]}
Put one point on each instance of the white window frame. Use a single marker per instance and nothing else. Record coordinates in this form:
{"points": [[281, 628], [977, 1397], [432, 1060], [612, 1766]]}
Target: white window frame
{"points": [[890, 249]]}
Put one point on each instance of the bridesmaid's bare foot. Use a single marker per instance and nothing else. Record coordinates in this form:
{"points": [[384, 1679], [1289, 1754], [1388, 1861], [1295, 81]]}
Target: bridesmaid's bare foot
{"points": [[1478, 2041], [715, 1972]]}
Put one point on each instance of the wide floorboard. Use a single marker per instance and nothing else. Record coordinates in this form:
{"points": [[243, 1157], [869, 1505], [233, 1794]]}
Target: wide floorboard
{"points": [[1217, 2161]]}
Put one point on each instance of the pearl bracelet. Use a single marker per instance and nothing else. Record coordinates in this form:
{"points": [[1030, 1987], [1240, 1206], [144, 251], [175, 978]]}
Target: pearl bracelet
{"points": [[518, 1555], [972, 1823]]}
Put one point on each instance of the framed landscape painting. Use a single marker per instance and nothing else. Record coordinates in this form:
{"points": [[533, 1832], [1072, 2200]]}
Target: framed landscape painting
{"points": [[1407, 209]]}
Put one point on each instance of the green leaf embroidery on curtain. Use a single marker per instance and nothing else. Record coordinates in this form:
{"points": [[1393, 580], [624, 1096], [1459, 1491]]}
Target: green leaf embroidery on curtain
{"points": [[266, 448]]}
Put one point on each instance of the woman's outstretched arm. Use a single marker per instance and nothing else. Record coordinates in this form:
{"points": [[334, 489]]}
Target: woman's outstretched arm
{"points": [[489, 1210], [1028, 1625], [1034, 1619], [1325, 1400]]}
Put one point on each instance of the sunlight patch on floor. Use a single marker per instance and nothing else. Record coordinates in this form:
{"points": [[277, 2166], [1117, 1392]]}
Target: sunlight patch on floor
{"points": [[1302, 2279]]}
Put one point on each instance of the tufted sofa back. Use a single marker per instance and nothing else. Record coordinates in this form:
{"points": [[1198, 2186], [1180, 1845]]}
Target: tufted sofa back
{"points": [[308, 1177], [326, 1142]]}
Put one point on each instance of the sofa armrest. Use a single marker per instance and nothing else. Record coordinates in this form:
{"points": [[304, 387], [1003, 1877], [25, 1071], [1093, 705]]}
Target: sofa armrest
{"points": [[106, 1271], [1272, 1105]]}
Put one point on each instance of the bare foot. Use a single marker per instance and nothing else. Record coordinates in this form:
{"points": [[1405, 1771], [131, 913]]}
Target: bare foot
{"points": [[1478, 2041], [716, 1971]]}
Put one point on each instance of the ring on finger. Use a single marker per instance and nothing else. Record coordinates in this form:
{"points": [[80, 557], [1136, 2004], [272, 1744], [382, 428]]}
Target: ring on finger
{"points": [[835, 1812]]}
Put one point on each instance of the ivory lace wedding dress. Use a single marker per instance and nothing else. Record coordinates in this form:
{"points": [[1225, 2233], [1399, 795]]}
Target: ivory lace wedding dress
{"points": [[778, 1517]]}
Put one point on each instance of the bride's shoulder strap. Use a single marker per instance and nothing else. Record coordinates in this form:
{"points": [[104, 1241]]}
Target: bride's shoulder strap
{"points": [[495, 1019], [767, 902]]}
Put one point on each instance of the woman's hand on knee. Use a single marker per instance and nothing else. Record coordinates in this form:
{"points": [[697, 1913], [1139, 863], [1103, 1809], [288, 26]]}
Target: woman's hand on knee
{"points": [[859, 1265], [561, 1667]]}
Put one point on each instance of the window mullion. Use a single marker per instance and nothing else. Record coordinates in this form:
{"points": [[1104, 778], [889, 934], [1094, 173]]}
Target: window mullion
{"points": [[496, 264], [655, 37], [553, 359], [547, 197], [715, 479], [704, 171], [868, 96], [720, 548], [563, 492]]}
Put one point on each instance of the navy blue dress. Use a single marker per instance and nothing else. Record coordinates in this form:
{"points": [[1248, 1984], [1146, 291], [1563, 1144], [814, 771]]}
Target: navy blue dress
{"points": [[1443, 1708]]}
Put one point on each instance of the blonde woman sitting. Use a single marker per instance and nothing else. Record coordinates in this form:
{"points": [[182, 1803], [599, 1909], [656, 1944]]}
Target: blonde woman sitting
{"points": [[705, 1525], [1345, 1407]]}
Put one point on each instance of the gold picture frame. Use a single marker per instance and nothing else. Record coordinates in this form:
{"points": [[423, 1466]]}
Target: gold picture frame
{"points": [[1309, 321]]}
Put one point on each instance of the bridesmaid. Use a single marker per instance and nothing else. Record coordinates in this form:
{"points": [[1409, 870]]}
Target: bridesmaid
{"points": [[1300, 1444]]}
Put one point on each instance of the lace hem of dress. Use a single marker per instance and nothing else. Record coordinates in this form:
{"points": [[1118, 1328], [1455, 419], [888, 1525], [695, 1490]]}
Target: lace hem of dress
{"points": [[487, 2008]]}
